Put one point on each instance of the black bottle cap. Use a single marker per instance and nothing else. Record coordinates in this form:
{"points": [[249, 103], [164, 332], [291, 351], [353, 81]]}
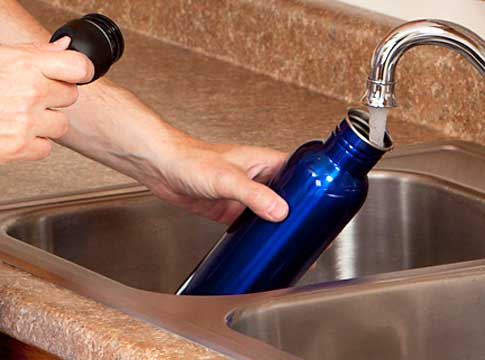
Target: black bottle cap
{"points": [[97, 37]]}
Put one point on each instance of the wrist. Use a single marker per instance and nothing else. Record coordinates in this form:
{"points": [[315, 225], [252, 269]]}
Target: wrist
{"points": [[123, 132], [166, 152]]}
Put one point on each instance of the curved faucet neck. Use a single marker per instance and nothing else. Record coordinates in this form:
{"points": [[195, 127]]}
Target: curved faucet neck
{"points": [[380, 85]]}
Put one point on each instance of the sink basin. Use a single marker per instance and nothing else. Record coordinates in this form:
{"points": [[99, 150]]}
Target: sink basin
{"points": [[401, 272], [138, 240], [440, 317], [408, 221]]}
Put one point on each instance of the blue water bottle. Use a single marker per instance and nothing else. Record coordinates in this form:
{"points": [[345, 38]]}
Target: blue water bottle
{"points": [[325, 184]]}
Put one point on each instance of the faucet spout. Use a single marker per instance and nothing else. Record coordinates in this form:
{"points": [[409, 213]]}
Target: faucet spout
{"points": [[380, 84]]}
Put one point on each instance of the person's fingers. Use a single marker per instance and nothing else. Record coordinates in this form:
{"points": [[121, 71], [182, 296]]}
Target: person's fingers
{"points": [[37, 149], [272, 159], [58, 45], [51, 124], [232, 209], [259, 163], [69, 66], [259, 198], [222, 210], [23, 127], [36, 93], [15, 147], [57, 94]]}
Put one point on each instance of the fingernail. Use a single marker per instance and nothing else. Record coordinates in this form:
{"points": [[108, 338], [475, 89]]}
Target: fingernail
{"points": [[279, 211], [65, 40]]}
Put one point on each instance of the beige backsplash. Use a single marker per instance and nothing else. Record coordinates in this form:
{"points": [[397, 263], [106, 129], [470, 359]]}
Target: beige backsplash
{"points": [[324, 45]]}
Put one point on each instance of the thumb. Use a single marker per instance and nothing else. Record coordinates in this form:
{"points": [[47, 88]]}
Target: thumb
{"points": [[259, 198], [58, 45]]}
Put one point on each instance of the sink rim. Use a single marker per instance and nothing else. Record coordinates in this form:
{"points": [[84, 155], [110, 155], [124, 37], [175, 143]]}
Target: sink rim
{"points": [[176, 313]]}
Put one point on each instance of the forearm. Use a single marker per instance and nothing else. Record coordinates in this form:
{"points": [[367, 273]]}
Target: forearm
{"points": [[111, 125], [18, 26], [108, 123]]}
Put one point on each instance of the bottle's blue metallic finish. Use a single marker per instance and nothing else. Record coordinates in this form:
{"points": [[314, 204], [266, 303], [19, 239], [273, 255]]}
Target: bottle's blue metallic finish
{"points": [[325, 184]]}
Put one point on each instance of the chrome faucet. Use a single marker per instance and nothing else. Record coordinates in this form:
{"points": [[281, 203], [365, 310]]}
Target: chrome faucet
{"points": [[380, 84]]}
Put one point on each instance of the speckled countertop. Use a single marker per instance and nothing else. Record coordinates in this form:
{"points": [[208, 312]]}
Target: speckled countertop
{"points": [[208, 98]]}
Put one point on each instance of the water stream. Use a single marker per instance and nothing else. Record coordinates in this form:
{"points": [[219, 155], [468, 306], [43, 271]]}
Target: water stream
{"points": [[377, 125]]}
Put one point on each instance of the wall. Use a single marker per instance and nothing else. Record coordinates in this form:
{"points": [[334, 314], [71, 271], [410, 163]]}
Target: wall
{"points": [[470, 13]]}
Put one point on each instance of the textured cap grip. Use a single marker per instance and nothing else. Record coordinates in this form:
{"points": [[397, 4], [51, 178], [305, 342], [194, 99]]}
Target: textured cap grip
{"points": [[96, 36]]}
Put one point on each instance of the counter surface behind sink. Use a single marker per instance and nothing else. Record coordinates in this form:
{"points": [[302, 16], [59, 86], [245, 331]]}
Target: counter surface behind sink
{"points": [[207, 98]]}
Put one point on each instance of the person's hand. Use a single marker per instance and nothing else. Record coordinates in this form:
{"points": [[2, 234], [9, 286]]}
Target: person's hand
{"points": [[217, 180], [34, 81]]}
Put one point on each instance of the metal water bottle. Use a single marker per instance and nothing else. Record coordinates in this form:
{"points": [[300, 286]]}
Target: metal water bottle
{"points": [[325, 184]]}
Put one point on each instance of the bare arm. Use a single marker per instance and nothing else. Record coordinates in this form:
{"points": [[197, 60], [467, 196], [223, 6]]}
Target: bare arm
{"points": [[110, 125]]}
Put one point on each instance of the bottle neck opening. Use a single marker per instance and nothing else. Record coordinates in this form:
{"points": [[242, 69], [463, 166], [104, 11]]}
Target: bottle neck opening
{"points": [[349, 145]]}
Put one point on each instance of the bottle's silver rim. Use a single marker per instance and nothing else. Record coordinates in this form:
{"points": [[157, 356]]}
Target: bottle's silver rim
{"points": [[360, 126]]}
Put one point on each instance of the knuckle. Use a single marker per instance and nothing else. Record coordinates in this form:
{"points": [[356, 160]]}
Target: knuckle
{"points": [[38, 89], [37, 47], [73, 93], [86, 67], [81, 64], [254, 194], [15, 146], [35, 90], [44, 149], [33, 46], [230, 185], [25, 121], [224, 181], [28, 102], [62, 126], [23, 62]]}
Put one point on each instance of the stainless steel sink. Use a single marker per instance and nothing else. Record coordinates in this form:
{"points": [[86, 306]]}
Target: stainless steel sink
{"points": [[435, 317], [425, 209], [136, 240]]}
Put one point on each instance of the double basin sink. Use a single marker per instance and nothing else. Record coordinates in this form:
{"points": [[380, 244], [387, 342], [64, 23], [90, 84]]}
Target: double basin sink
{"points": [[404, 280]]}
